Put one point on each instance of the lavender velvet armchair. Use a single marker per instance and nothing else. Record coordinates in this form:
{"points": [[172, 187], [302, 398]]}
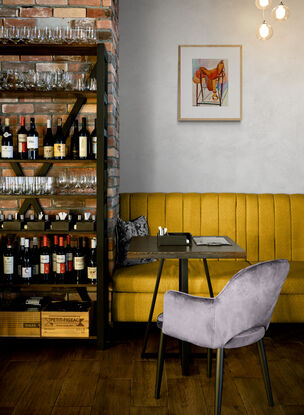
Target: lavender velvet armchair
{"points": [[238, 316]]}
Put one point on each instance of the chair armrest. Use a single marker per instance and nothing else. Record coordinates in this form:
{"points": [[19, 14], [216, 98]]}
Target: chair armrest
{"points": [[189, 318]]}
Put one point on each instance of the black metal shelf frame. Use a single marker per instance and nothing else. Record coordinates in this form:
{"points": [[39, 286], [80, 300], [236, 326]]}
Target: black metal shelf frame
{"points": [[99, 71]]}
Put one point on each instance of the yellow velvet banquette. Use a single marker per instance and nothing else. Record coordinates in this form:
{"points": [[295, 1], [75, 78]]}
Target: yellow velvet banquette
{"points": [[267, 226]]}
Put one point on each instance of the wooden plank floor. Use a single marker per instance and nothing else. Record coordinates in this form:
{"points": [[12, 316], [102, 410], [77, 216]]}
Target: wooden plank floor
{"points": [[73, 378]]}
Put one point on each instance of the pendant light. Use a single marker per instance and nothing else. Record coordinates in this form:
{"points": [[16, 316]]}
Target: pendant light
{"points": [[264, 31], [263, 4], [281, 12]]}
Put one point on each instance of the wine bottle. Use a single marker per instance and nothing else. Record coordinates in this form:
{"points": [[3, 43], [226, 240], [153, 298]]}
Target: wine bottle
{"points": [[20, 259], [35, 260], [79, 263], [22, 140], [60, 260], [69, 259], [45, 261], [92, 263], [8, 262], [32, 141], [26, 267], [59, 142], [7, 148], [54, 256], [74, 152], [94, 142], [1, 135], [84, 140], [48, 142]]}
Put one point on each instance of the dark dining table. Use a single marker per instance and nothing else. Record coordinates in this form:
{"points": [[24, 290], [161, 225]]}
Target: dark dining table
{"points": [[147, 247]]}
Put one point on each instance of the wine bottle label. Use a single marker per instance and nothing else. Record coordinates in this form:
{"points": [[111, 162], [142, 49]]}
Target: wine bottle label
{"points": [[7, 152], [44, 264], [54, 261], [0, 143], [83, 147], [22, 143], [8, 264], [19, 270], [32, 142], [59, 150], [94, 146], [60, 264], [35, 269], [78, 263], [26, 272], [69, 261], [92, 273], [48, 152]]}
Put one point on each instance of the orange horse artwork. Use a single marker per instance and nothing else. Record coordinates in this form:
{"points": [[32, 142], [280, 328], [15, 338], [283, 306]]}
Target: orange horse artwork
{"points": [[210, 82]]}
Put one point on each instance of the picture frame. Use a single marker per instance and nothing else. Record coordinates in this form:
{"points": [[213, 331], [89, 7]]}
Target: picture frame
{"points": [[209, 82]]}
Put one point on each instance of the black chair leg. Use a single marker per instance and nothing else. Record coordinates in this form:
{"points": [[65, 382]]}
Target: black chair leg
{"points": [[264, 365], [219, 381], [209, 363], [160, 363]]}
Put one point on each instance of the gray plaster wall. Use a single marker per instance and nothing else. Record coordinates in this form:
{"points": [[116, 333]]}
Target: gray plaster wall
{"points": [[262, 153]]}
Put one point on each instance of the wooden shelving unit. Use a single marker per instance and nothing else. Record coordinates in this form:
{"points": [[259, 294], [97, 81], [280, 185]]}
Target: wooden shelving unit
{"points": [[99, 71]]}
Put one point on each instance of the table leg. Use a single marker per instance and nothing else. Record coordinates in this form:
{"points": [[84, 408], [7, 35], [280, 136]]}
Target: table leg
{"points": [[183, 286], [160, 268], [209, 351]]}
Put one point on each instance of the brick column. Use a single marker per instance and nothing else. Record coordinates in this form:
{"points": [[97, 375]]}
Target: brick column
{"points": [[102, 14]]}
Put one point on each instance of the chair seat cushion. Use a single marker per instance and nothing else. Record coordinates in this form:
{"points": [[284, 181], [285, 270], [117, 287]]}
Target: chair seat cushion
{"points": [[246, 337]]}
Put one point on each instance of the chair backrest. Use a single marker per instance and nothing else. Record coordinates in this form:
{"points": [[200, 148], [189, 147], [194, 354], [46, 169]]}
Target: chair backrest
{"points": [[248, 299]]}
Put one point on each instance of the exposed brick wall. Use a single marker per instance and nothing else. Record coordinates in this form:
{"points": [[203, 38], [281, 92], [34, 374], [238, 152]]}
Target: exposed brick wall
{"points": [[102, 14]]}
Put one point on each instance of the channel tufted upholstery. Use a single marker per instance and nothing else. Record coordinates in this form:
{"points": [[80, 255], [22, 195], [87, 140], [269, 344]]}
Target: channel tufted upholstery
{"points": [[267, 226]]}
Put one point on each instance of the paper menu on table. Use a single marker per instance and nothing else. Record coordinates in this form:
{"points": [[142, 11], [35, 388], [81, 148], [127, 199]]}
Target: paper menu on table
{"points": [[211, 240]]}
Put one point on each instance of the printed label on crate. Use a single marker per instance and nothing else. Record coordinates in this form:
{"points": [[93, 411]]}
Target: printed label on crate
{"points": [[31, 325], [64, 321]]}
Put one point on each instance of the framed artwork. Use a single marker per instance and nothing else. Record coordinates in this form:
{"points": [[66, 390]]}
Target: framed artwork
{"points": [[209, 82]]}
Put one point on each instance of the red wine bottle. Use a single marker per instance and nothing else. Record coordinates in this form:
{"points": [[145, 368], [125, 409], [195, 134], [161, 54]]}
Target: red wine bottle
{"points": [[26, 267], [60, 260], [59, 142], [32, 142], [22, 140], [35, 261], [79, 263], [48, 142], [54, 257], [45, 261], [94, 142], [7, 148], [8, 262], [74, 152], [69, 259], [84, 141], [92, 263]]}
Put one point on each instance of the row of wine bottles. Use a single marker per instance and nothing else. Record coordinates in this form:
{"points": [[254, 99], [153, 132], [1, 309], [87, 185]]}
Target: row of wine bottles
{"points": [[83, 144], [61, 262]]}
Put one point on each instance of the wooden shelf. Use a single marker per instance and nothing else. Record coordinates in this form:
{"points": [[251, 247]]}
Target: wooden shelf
{"points": [[48, 286], [49, 232], [53, 161], [73, 196], [47, 94], [49, 49]]}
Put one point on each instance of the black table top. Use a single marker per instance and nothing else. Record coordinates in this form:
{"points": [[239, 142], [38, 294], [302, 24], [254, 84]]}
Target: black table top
{"points": [[146, 247]]}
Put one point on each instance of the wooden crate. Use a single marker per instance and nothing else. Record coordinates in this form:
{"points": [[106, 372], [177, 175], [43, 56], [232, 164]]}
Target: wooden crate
{"points": [[65, 323], [20, 323]]}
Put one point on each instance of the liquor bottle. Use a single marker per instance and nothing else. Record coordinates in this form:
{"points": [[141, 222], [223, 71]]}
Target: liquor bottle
{"points": [[74, 151], [59, 142], [20, 259], [32, 141], [26, 267], [54, 257], [48, 142], [84, 141], [79, 263], [7, 148], [8, 262], [60, 260], [92, 263], [1, 135], [94, 142], [22, 140], [45, 261], [69, 259], [35, 260]]}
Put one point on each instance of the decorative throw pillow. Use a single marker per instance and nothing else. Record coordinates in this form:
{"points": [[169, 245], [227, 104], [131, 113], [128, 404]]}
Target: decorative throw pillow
{"points": [[124, 232]]}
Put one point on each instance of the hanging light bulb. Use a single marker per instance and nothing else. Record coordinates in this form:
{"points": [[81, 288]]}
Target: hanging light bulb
{"points": [[263, 4], [264, 31], [281, 12]]}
